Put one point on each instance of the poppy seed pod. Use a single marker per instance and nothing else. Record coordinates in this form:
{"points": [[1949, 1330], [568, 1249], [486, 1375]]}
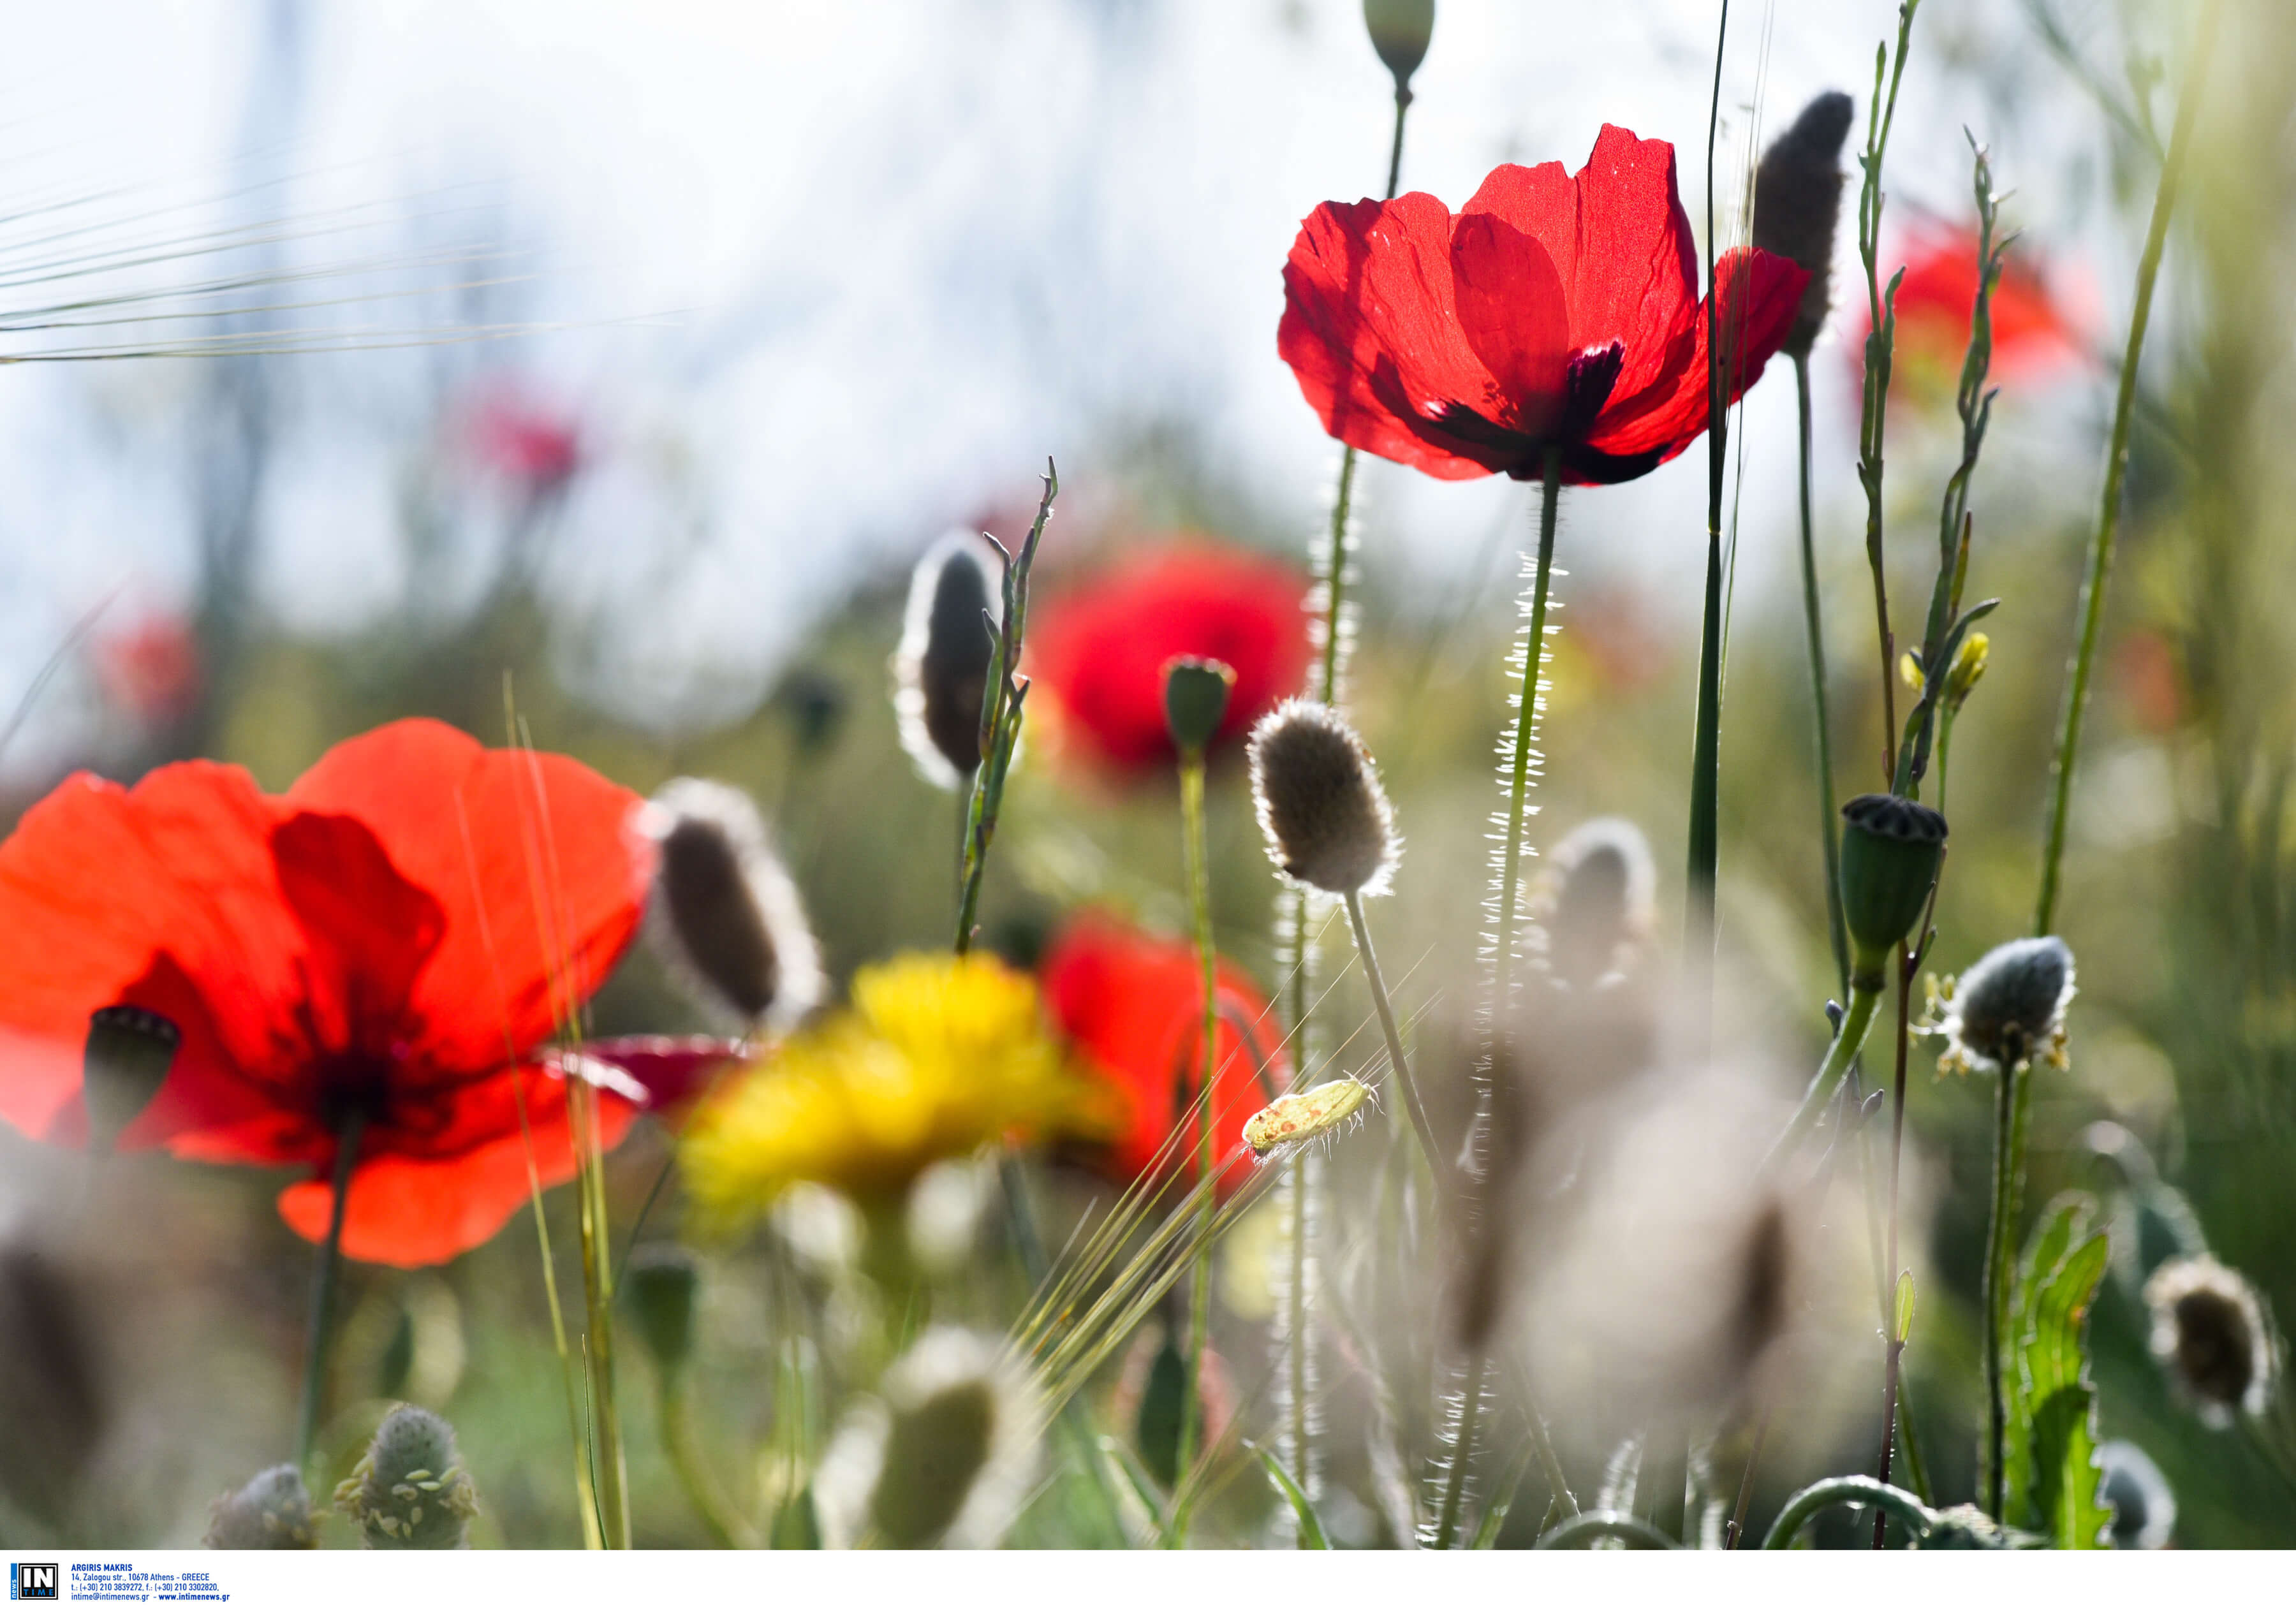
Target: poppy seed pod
{"points": [[1798, 204], [1890, 850], [1399, 31], [725, 914], [663, 1280], [1327, 822], [272, 1511], [409, 1490], [941, 672], [2209, 1333], [2010, 1005], [129, 1054], [1195, 699]]}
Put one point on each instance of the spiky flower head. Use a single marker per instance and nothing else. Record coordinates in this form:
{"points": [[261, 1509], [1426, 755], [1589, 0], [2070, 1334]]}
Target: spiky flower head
{"points": [[1798, 205], [662, 1279], [1399, 31], [940, 670], [128, 1054], [725, 914], [1326, 818], [272, 1511], [409, 1489], [1890, 850], [2144, 1505], [2210, 1334], [1597, 900], [937, 1058], [2009, 1007], [943, 1455]]}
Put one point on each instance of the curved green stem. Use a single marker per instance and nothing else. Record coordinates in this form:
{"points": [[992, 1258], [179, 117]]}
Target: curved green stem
{"points": [[727, 1524], [1583, 1532], [1420, 1125], [1200, 900], [1848, 1043], [320, 1333], [1848, 1490]]}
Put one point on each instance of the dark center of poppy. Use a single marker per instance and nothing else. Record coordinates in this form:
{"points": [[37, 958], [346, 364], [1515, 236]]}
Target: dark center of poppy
{"points": [[1587, 389], [354, 1087]]}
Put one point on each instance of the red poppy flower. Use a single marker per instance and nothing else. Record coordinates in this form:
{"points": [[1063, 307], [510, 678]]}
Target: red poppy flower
{"points": [[151, 670], [1134, 1004], [1099, 648], [532, 445], [1553, 312], [2031, 333], [388, 945]]}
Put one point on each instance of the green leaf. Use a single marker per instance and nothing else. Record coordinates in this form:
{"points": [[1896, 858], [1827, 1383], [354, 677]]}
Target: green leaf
{"points": [[795, 1525], [1311, 1529], [2053, 1481], [1494, 1513], [1904, 1313], [1148, 1499]]}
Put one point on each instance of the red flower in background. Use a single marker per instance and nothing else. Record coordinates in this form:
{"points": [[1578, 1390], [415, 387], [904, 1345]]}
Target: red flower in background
{"points": [[387, 946], [532, 444], [2031, 332], [1099, 648], [1133, 1004], [151, 670], [1553, 312]]}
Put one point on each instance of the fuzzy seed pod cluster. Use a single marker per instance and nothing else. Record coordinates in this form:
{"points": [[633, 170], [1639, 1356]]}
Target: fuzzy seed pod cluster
{"points": [[2210, 1334], [409, 1490], [1327, 821], [2009, 1007], [725, 914], [1798, 205], [940, 670], [272, 1511], [1597, 902]]}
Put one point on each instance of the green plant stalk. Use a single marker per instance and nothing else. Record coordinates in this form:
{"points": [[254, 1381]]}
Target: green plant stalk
{"points": [[586, 1495], [727, 1526], [1584, 1532], [1699, 934], [1298, 1204], [1848, 1490], [1829, 824], [319, 1334], [1526, 717], [1893, 1350], [1199, 1287], [1421, 1126], [1848, 1041], [2000, 1279], [611, 1471], [1463, 1453]]}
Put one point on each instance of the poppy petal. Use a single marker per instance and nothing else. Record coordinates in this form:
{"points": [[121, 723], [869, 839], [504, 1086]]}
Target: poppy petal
{"points": [[370, 932], [1512, 313], [412, 1210], [665, 1073], [529, 929]]}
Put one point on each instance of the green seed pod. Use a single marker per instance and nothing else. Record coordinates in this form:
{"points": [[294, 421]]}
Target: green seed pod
{"points": [[1399, 31], [128, 1054], [662, 1279], [272, 1511], [1195, 699], [1890, 850], [409, 1490]]}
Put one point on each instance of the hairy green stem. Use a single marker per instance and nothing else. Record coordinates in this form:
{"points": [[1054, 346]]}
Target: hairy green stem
{"points": [[1848, 1041], [1526, 716], [320, 1331], [1463, 1453], [1848, 1490]]}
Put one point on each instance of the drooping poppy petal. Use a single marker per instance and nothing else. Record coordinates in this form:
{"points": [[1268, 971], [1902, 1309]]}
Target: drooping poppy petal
{"points": [[1133, 1004], [664, 1073]]}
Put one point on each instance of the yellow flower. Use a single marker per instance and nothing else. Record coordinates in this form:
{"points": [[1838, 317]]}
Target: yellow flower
{"points": [[937, 1057]]}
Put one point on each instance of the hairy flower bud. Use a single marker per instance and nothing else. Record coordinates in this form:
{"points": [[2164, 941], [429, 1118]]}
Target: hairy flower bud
{"points": [[1890, 850], [2144, 1505], [725, 914], [1399, 31], [2209, 1331], [1195, 699], [2009, 1007], [128, 1054], [941, 672], [662, 1279], [1320, 800], [1798, 204], [1597, 900], [272, 1511], [409, 1490]]}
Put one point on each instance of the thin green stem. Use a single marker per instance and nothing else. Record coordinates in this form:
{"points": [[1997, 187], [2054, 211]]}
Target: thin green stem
{"points": [[320, 1331], [1395, 150], [1421, 1126], [611, 1468], [1698, 935], [2000, 1279], [727, 1526], [1526, 716], [1199, 902], [1894, 1349], [1848, 1490], [1848, 1041], [1828, 819], [1462, 1452]]}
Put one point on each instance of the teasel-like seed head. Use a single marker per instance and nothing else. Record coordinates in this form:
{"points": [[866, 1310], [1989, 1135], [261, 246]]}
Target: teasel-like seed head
{"points": [[1327, 821], [1890, 850], [2210, 1334], [943, 1456], [2009, 1007], [941, 672], [1597, 901], [1798, 204], [128, 1054], [409, 1490], [2144, 1504], [725, 914], [1195, 700], [272, 1511], [1399, 31], [662, 1279]]}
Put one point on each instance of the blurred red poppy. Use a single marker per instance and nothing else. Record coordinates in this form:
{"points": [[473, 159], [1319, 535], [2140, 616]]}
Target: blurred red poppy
{"points": [[1553, 312], [1132, 1004], [2032, 332], [1099, 648], [384, 948], [151, 670], [537, 447]]}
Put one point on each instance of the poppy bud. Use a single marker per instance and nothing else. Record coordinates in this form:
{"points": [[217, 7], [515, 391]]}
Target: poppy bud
{"points": [[1798, 203], [1195, 699], [1399, 31], [662, 1279], [272, 1511], [127, 1056], [1320, 800], [409, 1489], [1599, 899], [2144, 1505], [2010, 1005], [2209, 1333], [941, 672], [1891, 849], [725, 914]]}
